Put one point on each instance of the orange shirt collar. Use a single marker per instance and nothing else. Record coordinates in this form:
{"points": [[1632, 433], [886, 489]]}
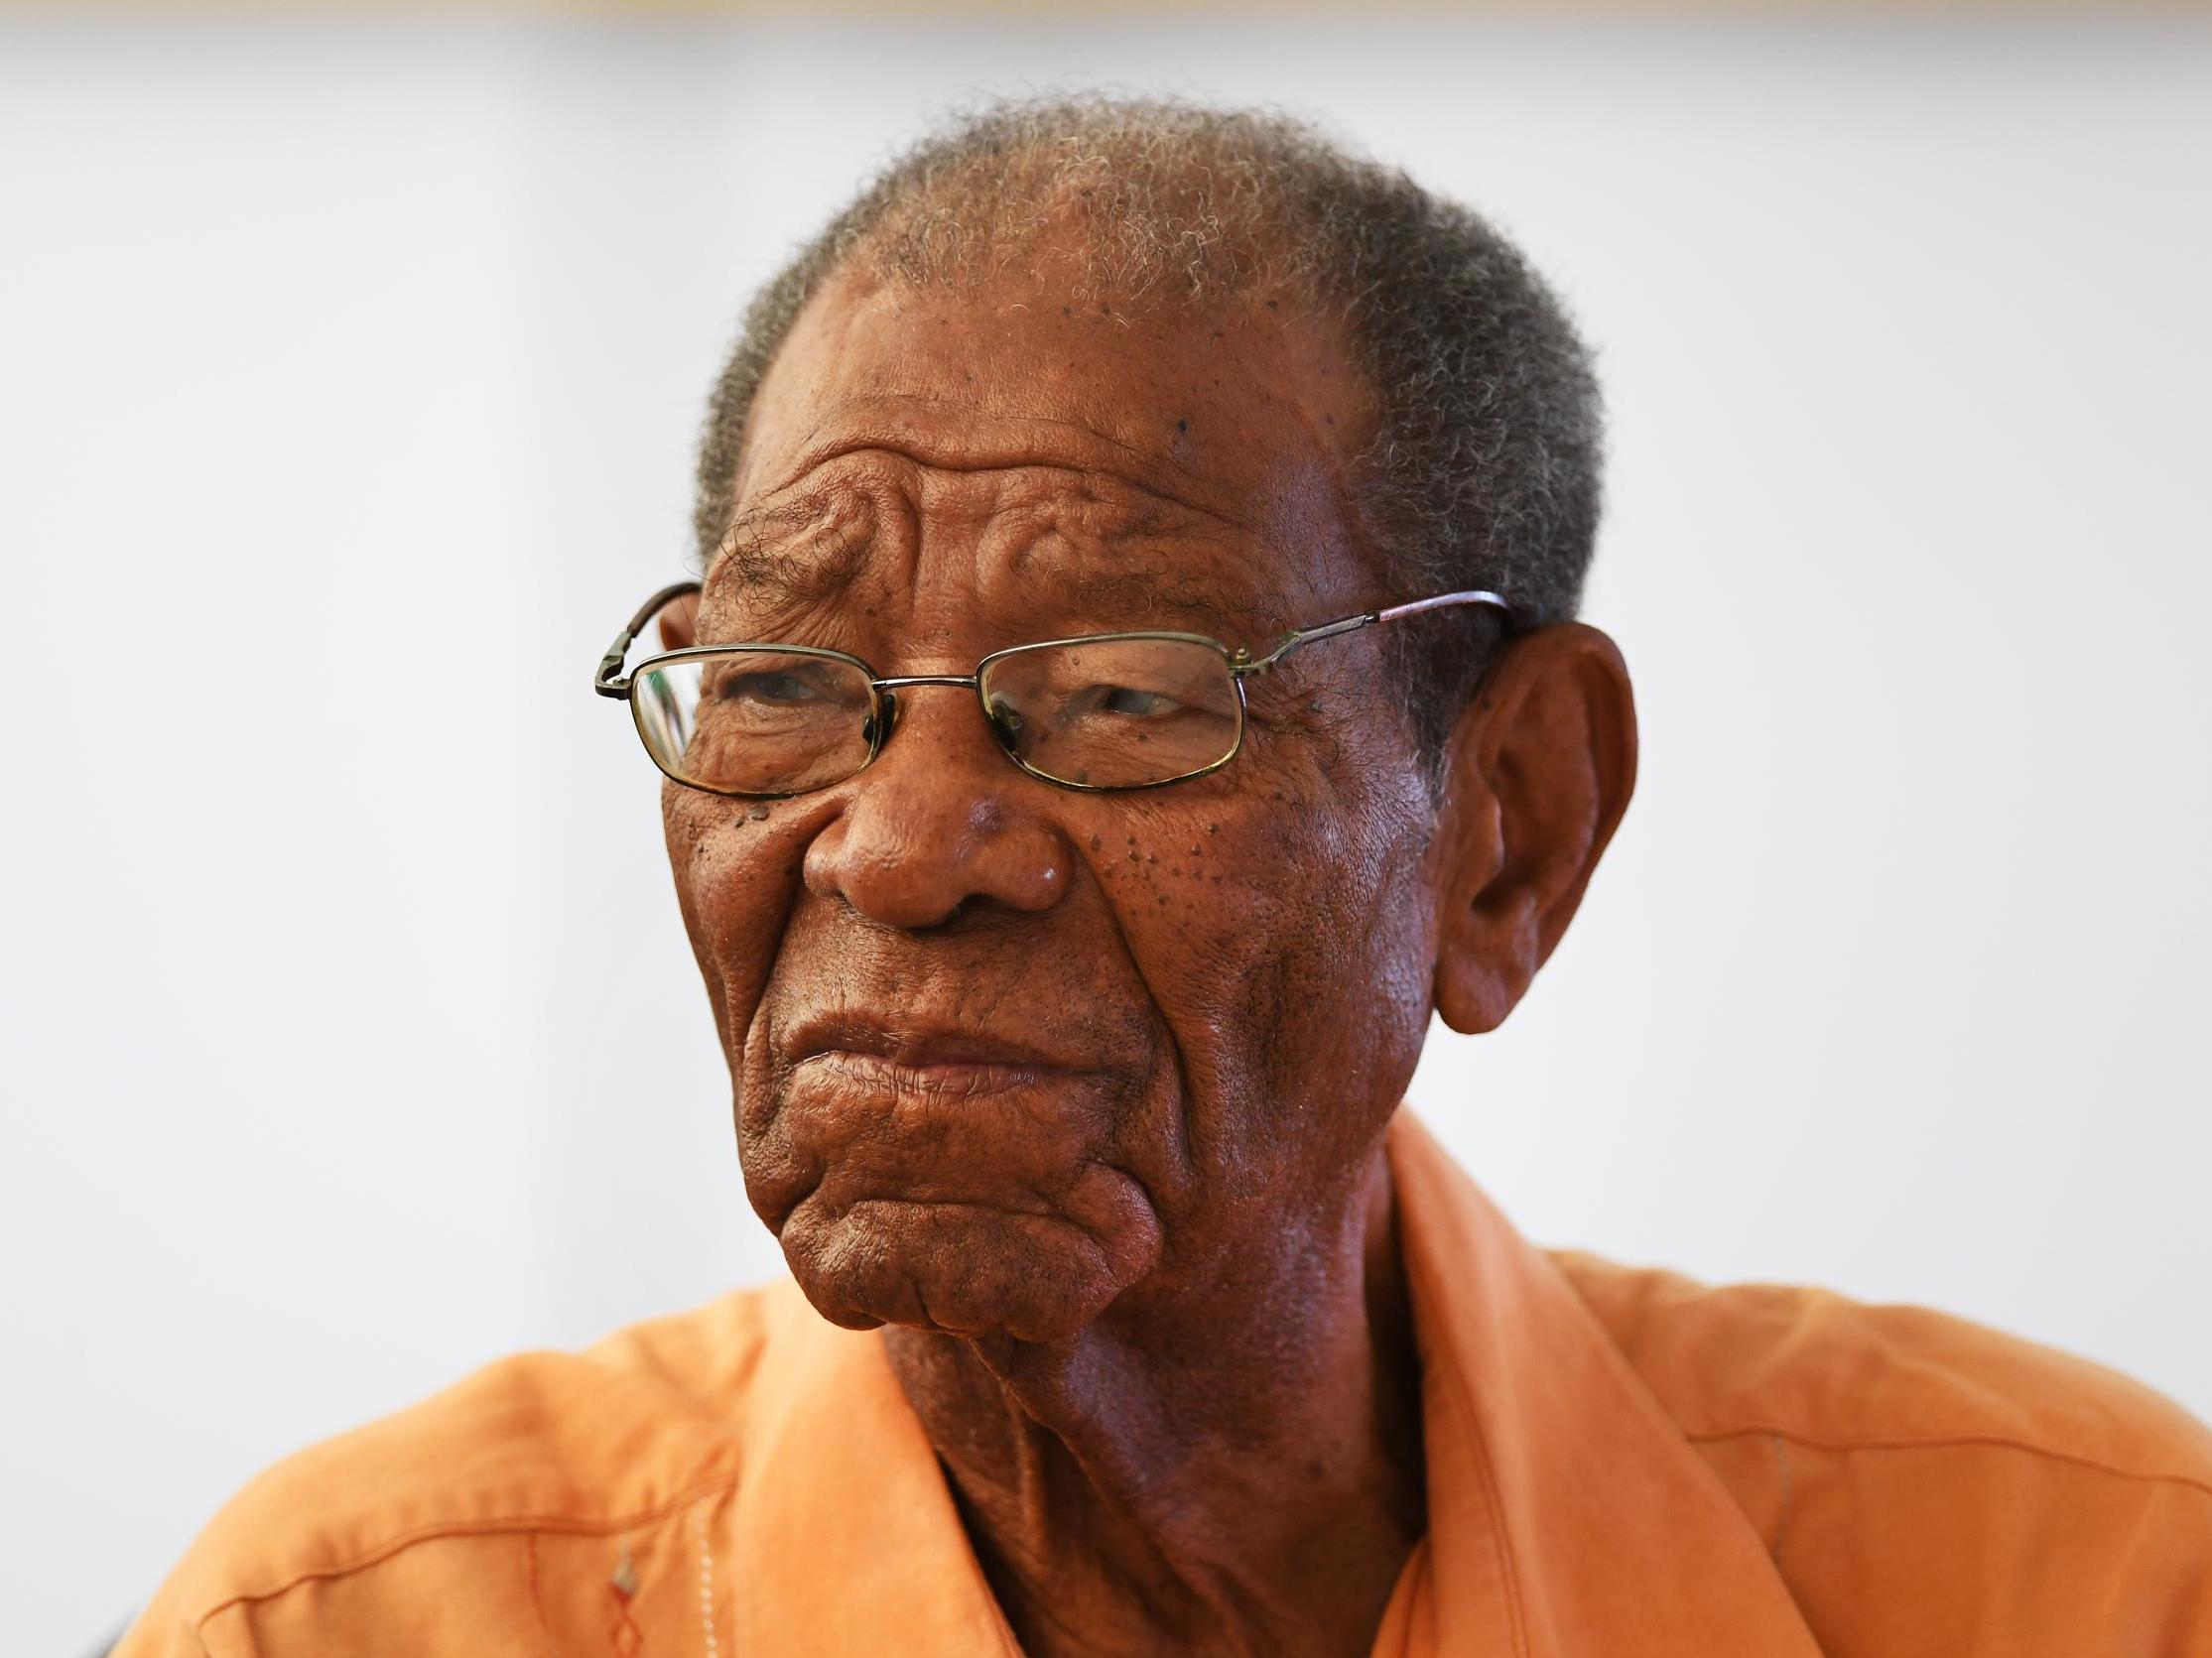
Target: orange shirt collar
{"points": [[1567, 1513]]}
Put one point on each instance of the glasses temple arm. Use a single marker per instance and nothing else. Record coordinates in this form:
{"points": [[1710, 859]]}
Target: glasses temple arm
{"points": [[607, 679], [1367, 618]]}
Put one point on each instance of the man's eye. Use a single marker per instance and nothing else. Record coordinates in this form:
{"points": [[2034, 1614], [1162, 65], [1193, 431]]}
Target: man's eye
{"points": [[779, 689], [1137, 704]]}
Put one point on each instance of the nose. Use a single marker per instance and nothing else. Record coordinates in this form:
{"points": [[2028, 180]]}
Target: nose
{"points": [[939, 823]]}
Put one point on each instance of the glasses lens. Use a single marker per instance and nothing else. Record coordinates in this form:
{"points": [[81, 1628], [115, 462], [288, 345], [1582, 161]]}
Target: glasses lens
{"points": [[1114, 713], [756, 721]]}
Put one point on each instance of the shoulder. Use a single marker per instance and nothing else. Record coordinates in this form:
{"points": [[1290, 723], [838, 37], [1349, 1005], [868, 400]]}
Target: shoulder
{"points": [[604, 1439], [1825, 1369], [1924, 1481]]}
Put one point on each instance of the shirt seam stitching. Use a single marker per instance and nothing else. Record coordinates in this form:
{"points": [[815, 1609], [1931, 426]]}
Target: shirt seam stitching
{"points": [[1951, 1442], [1781, 1509], [1501, 1540], [523, 1523]]}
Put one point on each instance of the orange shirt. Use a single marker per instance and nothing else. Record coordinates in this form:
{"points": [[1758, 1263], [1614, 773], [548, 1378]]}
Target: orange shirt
{"points": [[1621, 1464]]}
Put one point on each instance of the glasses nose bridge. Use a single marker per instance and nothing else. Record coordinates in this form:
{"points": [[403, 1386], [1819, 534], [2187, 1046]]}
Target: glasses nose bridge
{"points": [[899, 682], [890, 688]]}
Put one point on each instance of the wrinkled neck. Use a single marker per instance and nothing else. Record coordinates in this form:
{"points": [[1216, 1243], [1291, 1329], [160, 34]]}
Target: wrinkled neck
{"points": [[1231, 1463]]}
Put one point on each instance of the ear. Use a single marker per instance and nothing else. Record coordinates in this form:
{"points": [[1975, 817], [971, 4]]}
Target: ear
{"points": [[679, 619], [1538, 772]]}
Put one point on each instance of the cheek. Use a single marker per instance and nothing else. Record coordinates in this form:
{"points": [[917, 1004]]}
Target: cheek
{"points": [[1286, 935], [737, 867], [1199, 899]]}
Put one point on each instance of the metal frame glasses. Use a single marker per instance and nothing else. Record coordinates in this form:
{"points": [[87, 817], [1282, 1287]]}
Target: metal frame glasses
{"points": [[1001, 718]]}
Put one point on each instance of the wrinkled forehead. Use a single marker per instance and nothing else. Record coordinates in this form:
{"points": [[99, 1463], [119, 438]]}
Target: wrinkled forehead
{"points": [[875, 526], [1204, 450]]}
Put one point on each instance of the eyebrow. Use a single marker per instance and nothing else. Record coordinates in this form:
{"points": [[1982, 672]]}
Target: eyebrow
{"points": [[801, 553], [1144, 594]]}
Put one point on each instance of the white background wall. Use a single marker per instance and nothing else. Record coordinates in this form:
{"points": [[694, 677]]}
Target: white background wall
{"points": [[349, 372]]}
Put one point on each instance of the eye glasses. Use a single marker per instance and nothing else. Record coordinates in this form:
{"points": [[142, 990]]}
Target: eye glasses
{"points": [[1103, 711]]}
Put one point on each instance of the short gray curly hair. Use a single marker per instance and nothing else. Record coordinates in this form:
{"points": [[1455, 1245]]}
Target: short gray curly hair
{"points": [[1483, 467]]}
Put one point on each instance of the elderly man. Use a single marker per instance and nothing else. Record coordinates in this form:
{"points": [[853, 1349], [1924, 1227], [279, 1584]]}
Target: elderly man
{"points": [[1131, 686]]}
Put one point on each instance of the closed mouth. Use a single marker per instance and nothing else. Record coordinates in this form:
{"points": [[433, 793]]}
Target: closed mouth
{"points": [[964, 1079], [921, 1060]]}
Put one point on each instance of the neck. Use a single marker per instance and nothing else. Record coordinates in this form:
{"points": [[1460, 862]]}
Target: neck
{"points": [[1233, 1467]]}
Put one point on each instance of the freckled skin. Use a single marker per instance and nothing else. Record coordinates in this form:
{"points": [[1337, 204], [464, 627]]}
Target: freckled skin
{"points": [[1146, 1303]]}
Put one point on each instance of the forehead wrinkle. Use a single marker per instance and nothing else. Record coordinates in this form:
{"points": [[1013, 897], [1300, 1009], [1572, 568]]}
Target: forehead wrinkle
{"points": [[1124, 553], [1093, 541], [917, 447]]}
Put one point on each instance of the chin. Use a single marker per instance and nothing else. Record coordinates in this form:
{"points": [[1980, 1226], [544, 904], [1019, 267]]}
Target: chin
{"points": [[958, 1268]]}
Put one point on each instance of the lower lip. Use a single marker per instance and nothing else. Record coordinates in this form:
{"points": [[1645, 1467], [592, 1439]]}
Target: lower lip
{"points": [[963, 1078]]}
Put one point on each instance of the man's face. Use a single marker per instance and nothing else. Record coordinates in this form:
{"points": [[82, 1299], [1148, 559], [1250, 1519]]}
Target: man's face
{"points": [[1007, 1054]]}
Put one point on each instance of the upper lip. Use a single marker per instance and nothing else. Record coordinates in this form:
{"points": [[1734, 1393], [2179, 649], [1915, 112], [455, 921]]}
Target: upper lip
{"points": [[916, 1044]]}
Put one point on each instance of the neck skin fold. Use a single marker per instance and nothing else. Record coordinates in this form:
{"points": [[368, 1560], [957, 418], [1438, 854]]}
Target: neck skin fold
{"points": [[1232, 1466]]}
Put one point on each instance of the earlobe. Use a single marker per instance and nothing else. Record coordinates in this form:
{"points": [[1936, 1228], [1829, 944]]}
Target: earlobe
{"points": [[1538, 773], [1470, 847]]}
